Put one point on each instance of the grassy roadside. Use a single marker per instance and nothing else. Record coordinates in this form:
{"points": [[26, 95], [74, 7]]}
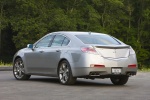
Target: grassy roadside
{"points": [[2, 64], [5, 65], [144, 70], [6, 61]]}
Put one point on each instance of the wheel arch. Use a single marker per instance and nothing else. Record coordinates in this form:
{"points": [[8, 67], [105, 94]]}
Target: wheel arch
{"points": [[60, 62], [70, 80], [15, 58], [23, 76]]}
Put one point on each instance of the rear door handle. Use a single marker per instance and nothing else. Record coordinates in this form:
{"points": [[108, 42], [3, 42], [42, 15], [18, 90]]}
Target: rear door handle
{"points": [[57, 50]]}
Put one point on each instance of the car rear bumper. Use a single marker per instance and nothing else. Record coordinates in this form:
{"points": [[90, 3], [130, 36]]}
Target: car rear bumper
{"points": [[101, 72], [83, 66]]}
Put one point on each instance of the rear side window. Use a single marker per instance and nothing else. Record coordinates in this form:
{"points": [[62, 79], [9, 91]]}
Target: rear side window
{"points": [[58, 40], [65, 42], [98, 39]]}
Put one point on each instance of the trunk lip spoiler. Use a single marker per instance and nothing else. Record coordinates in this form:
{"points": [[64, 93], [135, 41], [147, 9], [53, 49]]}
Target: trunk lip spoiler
{"points": [[112, 46]]}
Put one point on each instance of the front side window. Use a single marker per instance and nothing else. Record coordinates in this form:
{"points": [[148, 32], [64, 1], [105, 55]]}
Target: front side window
{"points": [[45, 41], [98, 39]]}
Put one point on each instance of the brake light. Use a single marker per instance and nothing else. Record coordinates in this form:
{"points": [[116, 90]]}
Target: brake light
{"points": [[97, 65], [88, 50], [132, 66]]}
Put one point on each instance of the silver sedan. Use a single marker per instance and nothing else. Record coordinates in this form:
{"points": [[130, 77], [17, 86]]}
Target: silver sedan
{"points": [[72, 55]]}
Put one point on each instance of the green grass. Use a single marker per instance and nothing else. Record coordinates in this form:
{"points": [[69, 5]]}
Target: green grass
{"points": [[144, 69], [6, 61], [3, 64]]}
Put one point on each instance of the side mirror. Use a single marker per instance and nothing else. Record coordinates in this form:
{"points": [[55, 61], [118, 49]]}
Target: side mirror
{"points": [[30, 46]]}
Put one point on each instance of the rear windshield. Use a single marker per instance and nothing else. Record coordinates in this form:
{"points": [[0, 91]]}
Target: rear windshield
{"points": [[98, 39]]}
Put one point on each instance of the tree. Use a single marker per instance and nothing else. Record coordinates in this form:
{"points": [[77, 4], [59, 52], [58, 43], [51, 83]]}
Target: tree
{"points": [[2, 20], [4, 6], [28, 20]]}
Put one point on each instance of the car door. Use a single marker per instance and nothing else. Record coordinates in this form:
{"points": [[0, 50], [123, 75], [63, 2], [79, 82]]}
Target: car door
{"points": [[35, 58], [51, 56]]}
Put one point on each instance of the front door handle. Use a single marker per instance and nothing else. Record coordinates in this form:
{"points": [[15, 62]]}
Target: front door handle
{"points": [[41, 51]]}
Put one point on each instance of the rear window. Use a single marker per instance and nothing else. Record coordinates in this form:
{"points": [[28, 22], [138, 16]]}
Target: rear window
{"points": [[98, 39]]}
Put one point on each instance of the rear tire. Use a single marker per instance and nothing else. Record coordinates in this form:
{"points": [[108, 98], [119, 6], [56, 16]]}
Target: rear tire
{"points": [[65, 73], [119, 80], [19, 71]]}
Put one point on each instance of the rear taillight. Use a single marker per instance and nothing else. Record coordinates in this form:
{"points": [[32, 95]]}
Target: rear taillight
{"points": [[132, 66], [88, 50], [97, 65]]}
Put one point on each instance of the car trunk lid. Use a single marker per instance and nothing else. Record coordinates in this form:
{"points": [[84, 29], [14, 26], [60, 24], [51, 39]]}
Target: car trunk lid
{"points": [[113, 51]]}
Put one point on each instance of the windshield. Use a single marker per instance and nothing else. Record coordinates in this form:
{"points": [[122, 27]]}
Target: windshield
{"points": [[98, 39]]}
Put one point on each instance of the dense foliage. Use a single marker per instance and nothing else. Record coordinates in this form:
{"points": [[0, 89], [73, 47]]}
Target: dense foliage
{"points": [[24, 21]]}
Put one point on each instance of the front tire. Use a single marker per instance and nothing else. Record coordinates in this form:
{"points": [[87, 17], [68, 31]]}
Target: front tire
{"points": [[65, 73], [119, 80], [19, 71]]}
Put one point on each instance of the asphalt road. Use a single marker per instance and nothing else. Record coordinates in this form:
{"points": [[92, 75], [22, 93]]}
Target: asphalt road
{"points": [[47, 88]]}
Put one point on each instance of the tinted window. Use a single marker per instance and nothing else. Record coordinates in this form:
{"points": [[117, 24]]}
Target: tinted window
{"points": [[44, 42], [98, 39], [65, 42], [58, 40]]}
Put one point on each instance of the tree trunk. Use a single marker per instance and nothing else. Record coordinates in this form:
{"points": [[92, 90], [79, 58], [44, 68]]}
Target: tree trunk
{"points": [[1, 14], [0, 41]]}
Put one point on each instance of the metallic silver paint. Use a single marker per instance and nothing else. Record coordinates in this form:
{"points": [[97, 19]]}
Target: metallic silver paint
{"points": [[45, 61]]}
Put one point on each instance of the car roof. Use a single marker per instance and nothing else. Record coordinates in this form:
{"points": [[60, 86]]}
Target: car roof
{"points": [[77, 33]]}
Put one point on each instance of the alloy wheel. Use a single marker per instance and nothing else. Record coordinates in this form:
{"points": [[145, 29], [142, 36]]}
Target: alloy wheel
{"points": [[64, 73], [19, 71]]}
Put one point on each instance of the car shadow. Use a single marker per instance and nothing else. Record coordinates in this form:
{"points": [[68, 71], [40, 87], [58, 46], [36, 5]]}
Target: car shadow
{"points": [[92, 83], [45, 80], [79, 82]]}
